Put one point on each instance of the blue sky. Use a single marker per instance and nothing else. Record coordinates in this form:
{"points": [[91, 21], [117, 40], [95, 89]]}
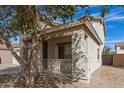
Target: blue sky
{"points": [[114, 22]]}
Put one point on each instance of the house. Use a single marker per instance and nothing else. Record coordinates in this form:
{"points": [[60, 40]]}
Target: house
{"points": [[71, 49], [74, 48], [6, 56], [116, 59], [119, 47]]}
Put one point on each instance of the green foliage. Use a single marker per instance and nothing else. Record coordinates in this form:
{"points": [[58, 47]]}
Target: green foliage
{"points": [[58, 11], [107, 50], [105, 10], [5, 18], [24, 20]]}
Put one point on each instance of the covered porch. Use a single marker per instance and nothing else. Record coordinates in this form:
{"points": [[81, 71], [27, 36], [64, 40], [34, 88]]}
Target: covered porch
{"points": [[57, 55], [65, 52]]}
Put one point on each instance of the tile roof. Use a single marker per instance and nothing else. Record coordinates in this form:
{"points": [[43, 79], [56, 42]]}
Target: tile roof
{"points": [[3, 46], [83, 20], [118, 44], [76, 22]]}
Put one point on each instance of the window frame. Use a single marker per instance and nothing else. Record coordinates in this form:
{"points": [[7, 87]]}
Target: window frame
{"points": [[65, 46]]}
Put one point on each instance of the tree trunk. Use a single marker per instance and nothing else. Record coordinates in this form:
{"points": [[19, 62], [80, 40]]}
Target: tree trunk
{"points": [[25, 66], [13, 52]]}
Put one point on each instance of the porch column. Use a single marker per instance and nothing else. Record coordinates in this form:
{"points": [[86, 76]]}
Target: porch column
{"points": [[79, 55], [40, 53]]}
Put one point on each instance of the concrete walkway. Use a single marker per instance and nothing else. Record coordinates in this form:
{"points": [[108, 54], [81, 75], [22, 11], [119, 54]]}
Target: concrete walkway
{"points": [[9, 69], [104, 77]]}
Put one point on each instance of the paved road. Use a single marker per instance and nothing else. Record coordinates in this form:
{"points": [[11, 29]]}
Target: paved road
{"points": [[104, 77], [8, 68]]}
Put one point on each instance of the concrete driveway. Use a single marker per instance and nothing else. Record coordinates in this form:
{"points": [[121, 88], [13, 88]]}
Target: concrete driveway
{"points": [[104, 77], [9, 68]]}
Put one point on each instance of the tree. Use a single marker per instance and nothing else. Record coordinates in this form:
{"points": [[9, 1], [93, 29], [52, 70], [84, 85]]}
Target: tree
{"points": [[25, 21], [107, 50]]}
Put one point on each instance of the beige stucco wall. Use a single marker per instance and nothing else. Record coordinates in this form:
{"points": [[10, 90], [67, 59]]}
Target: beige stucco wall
{"points": [[93, 46], [52, 46], [119, 51], [6, 57], [99, 29], [92, 55], [79, 54]]}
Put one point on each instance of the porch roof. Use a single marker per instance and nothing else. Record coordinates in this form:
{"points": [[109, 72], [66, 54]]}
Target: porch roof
{"points": [[85, 20]]}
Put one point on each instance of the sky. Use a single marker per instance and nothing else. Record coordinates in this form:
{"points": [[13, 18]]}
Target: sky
{"points": [[114, 23]]}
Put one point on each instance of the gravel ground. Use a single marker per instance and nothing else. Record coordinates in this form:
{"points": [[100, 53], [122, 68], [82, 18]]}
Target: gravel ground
{"points": [[104, 77]]}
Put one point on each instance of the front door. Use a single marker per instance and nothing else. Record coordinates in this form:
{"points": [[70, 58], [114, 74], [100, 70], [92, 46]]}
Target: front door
{"points": [[65, 56]]}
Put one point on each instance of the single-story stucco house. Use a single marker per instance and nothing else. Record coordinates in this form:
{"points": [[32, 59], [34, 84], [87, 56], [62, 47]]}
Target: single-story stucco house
{"points": [[6, 56], [75, 47], [119, 47]]}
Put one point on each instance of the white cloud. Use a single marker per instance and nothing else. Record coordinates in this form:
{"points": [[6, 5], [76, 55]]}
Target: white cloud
{"points": [[112, 14], [95, 14], [110, 26], [115, 18], [113, 41], [115, 15]]}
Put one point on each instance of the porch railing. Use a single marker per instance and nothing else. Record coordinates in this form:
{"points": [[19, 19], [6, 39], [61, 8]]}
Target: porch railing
{"points": [[59, 66], [64, 66]]}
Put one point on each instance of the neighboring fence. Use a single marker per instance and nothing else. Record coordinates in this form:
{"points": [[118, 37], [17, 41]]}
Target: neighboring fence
{"points": [[118, 60], [107, 59], [114, 59]]}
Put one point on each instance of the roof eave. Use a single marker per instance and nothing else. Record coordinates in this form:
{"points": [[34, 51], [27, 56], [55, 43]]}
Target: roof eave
{"points": [[93, 31]]}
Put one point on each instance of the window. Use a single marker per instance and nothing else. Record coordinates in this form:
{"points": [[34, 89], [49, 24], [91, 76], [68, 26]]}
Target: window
{"points": [[64, 51], [98, 56]]}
